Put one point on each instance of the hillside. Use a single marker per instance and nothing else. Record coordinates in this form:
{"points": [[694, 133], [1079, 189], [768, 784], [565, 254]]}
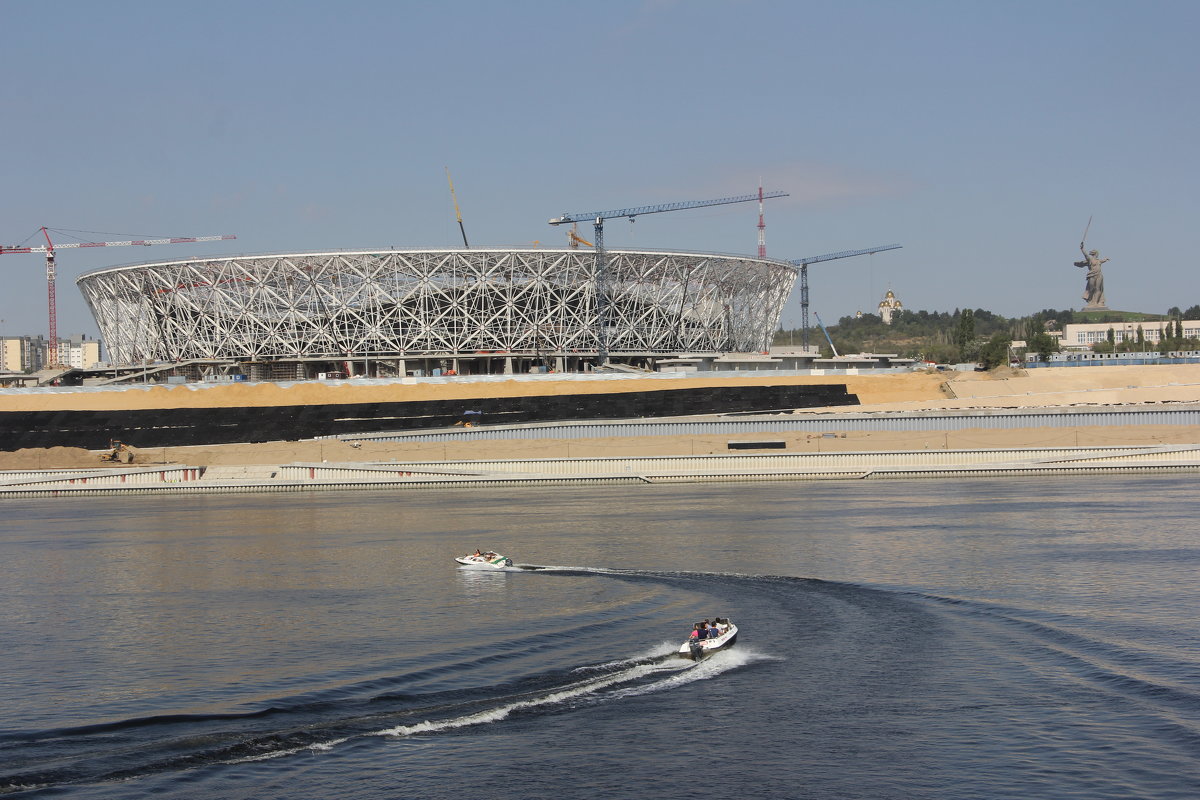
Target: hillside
{"points": [[961, 335]]}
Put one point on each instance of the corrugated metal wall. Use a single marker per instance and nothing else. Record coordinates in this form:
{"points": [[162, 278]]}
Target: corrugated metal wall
{"points": [[832, 423]]}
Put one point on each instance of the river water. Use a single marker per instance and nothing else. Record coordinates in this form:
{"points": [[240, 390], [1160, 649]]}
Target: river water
{"points": [[970, 638]]}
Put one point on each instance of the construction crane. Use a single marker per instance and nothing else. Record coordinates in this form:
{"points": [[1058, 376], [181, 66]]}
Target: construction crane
{"points": [[827, 338], [574, 239], [597, 219], [803, 263], [51, 275]]}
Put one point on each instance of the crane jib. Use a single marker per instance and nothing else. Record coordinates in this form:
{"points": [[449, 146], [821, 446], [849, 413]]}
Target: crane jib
{"points": [[595, 216], [51, 272], [144, 242], [800, 262]]}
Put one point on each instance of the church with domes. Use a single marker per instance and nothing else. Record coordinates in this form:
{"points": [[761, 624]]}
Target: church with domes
{"points": [[888, 306]]}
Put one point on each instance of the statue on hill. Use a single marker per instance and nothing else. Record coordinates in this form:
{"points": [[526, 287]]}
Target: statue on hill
{"points": [[1093, 290]]}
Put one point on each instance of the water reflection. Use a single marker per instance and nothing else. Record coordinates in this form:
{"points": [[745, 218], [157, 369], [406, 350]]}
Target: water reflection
{"points": [[477, 584]]}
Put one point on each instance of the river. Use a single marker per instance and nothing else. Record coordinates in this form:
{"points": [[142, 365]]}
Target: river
{"points": [[966, 638]]}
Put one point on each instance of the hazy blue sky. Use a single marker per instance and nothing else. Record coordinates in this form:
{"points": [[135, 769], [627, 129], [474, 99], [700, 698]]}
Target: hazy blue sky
{"points": [[980, 135]]}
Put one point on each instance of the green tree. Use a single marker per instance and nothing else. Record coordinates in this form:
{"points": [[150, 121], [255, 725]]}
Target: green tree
{"points": [[995, 352], [964, 334], [1043, 344], [940, 353]]}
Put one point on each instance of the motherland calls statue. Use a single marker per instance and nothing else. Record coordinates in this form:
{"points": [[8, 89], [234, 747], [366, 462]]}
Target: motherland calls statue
{"points": [[1093, 290]]}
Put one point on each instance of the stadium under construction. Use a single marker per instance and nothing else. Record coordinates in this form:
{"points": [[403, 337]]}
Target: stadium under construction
{"points": [[392, 313]]}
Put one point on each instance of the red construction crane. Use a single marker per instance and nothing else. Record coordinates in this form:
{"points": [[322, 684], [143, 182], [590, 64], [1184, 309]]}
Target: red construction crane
{"points": [[49, 249]]}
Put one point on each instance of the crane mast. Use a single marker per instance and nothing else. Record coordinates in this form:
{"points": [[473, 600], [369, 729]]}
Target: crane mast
{"points": [[803, 263], [51, 299], [52, 273], [602, 277], [762, 225]]}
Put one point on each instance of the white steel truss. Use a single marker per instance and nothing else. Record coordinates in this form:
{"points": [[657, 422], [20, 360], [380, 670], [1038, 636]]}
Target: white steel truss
{"points": [[433, 302]]}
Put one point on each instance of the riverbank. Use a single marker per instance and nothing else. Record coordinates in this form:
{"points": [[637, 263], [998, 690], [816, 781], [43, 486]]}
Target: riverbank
{"points": [[952, 393], [566, 472]]}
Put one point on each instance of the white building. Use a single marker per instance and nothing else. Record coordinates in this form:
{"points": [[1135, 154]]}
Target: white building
{"points": [[1081, 336], [78, 351]]}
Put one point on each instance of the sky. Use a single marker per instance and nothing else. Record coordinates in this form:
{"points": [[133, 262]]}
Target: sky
{"points": [[981, 136]]}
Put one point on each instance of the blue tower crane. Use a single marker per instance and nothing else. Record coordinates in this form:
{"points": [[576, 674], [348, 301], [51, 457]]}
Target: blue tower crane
{"points": [[803, 263], [597, 219]]}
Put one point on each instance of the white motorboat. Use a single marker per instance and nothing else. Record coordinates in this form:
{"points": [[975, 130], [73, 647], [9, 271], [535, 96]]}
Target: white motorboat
{"points": [[696, 648], [488, 560]]}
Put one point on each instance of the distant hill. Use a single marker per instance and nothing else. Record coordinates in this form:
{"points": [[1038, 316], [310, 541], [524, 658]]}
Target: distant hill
{"points": [[959, 336]]}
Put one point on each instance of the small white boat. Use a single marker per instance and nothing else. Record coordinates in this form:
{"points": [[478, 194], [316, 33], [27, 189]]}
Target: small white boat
{"points": [[488, 560], [696, 648]]}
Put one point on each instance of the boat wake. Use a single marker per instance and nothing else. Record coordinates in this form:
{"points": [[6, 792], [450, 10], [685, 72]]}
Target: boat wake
{"points": [[92, 754], [567, 693], [719, 662], [632, 678]]}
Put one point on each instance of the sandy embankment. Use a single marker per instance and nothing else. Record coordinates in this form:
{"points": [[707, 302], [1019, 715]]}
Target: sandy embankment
{"points": [[243, 395], [1068, 386], [1041, 388]]}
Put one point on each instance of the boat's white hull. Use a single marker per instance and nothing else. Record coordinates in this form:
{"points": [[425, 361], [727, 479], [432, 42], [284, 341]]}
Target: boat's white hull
{"points": [[696, 650], [481, 562]]}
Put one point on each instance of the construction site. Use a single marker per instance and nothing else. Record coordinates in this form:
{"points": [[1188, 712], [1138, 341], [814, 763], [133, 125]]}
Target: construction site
{"points": [[415, 313], [921, 424], [435, 367]]}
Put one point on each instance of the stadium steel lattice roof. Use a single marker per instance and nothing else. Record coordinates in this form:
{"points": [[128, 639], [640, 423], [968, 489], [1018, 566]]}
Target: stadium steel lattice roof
{"points": [[428, 302]]}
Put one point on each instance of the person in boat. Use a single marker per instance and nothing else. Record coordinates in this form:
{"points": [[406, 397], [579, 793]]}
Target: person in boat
{"points": [[477, 553], [697, 632]]}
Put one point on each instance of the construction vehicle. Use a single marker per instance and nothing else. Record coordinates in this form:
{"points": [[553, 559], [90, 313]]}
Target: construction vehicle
{"points": [[118, 452], [827, 337], [458, 213]]}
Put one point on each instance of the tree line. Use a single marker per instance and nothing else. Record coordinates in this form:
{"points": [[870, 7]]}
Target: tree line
{"points": [[980, 336]]}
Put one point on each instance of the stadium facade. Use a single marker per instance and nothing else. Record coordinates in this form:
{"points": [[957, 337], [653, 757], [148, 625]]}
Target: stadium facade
{"points": [[397, 312]]}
